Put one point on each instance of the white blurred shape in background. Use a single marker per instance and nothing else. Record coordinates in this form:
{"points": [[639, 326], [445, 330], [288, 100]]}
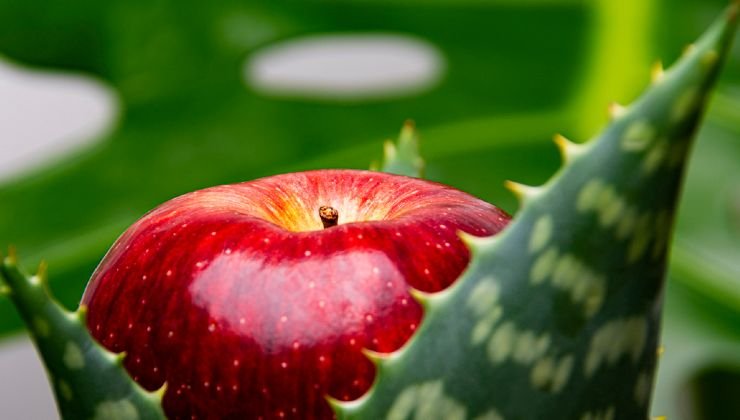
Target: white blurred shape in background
{"points": [[45, 116], [24, 390], [346, 67]]}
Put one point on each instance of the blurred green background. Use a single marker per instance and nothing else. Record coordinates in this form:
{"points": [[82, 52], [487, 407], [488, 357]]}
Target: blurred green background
{"points": [[515, 72]]}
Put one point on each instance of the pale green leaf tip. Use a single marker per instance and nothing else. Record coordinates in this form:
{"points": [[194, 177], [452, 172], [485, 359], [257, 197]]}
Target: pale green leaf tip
{"points": [[81, 314], [524, 193], [408, 132], [478, 243], [402, 157], [568, 149], [342, 408], [42, 273], [375, 357], [118, 358], [11, 260], [657, 73], [158, 394], [616, 110], [422, 298]]}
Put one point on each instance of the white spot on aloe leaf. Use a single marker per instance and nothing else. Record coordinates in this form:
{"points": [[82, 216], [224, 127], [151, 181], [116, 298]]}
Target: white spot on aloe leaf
{"points": [[483, 327], [642, 388], [501, 343], [541, 373], [543, 266], [606, 414], [569, 273], [522, 346], [642, 236], [116, 410], [524, 349], [610, 206], [426, 401], [483, 296], [346, 67], [541, 233], [73, 357], [638, 136], [588, 196], [491, 414], [685, 104], [562, 373], [622, 337], [627, 222], [65, 390], [550, 374], [655, 156]]}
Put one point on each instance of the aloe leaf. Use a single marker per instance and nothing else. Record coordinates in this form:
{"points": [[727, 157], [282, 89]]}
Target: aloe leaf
{"points": [[559, 316], [89, 381], [403, 158]]}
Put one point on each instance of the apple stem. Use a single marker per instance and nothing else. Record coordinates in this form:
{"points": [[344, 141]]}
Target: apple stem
{"points": [[329, 216]]}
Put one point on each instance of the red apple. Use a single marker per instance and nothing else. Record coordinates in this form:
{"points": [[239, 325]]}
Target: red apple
{"points": [[248, 307]]}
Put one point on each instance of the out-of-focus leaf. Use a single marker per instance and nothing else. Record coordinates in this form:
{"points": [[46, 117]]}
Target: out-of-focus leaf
{"points": [[189, 121]]}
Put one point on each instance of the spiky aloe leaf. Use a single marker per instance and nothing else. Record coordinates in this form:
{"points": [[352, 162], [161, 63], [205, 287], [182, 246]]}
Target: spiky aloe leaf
{"points": [[89, 382], [558, 317], [402, 158]]}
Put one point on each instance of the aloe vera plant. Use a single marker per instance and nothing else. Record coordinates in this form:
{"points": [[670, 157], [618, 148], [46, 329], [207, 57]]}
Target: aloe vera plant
{"points": [[89, 381], [557, 317]]}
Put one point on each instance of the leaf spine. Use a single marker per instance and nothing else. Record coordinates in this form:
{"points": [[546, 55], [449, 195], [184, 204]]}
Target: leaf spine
{"points": [[389, 149], [338, 406], [616, 110], [657, 73], [118, 358], [422, 298], [42, 273], [81, 314], [376, 357], [568, 149], [523, 192], [477, 244], [159, 393], [408, 130], [12, 258]]}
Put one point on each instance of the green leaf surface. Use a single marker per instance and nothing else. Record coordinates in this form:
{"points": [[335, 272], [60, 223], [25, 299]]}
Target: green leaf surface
{"points": [[559, 315], [188, 121]]}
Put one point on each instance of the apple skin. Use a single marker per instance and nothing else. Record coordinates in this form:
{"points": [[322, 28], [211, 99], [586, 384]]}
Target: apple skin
{"points": [[239, 299]]}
